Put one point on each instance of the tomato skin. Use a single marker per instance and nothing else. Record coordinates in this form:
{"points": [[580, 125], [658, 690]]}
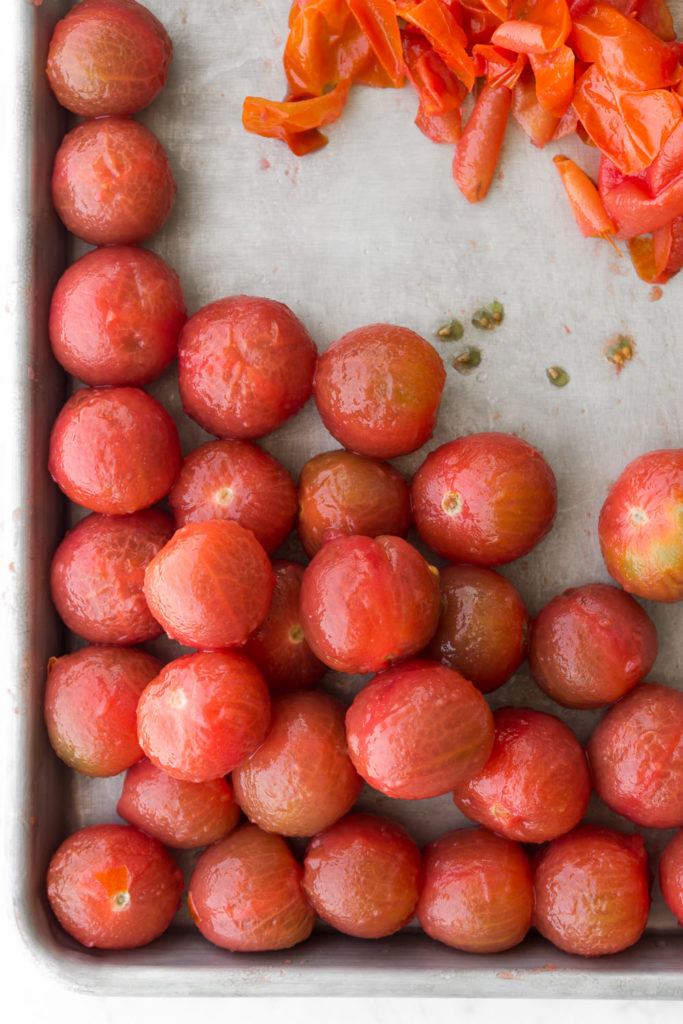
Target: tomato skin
{"points": [[671, 875], [203, 715], [590, 645], [301, 779], [114, 450], [123, 206], [478, 148], [278, 645], [639, 526], [113, 887], [485, 499], [378, 390], [483, 627], [636, 756], [91, 699], [366, 602], [477, 893], [342, 492], [210, 585], [362, 876], [108, 57], [115, 316], [245, 365], [239, 481], [183, 815], [535, 786], [245, 893], [417, 729], [97, 576], [592, 891]]}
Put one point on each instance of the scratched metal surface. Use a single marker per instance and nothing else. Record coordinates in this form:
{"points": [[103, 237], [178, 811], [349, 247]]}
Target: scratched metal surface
{"points": [[369, 229]]}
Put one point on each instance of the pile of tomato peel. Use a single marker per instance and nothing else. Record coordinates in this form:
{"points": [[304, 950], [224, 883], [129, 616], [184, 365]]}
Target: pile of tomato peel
{"points": [[612, 73]]}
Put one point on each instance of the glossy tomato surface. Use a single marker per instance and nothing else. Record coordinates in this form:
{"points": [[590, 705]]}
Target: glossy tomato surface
{"points": [[640, 526], [183, 815], [341, 492], [636, 756], [485, 499], [367, 602], [671, 875], [591, 890], [91, 699], [477, 893], [112, 183], [418, 729], [378, 390], [591, 645], [245, 365], [97, 576], [114, 450], [483, 627], [211, 585], [301, 779], [239, 481], [108, 57], [245, 893], [362, 876], [113, 887], [278, 645], [535, 785], [203, 715], [115, 316]]}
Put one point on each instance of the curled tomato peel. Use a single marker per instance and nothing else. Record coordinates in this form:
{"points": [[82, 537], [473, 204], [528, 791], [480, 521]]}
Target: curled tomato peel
{"points": [[554, 74], [478, 149], [378, 21], [499, 66], [439, 89], [439, 25], [534, 26], [658, 257], [584, 198], [295, 122]]}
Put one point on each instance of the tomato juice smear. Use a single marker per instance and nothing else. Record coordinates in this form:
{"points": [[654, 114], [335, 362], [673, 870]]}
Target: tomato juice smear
{"points": [[610, 72]]}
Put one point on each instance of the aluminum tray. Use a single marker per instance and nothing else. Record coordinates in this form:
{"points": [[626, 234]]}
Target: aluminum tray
{"points": [[370, 228]]}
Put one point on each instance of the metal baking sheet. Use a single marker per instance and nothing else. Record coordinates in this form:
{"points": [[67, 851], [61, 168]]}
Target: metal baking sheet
{"points": [[371, 228]]}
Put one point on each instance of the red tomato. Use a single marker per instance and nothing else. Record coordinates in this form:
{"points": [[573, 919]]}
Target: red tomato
{"points": [[639, 526]]}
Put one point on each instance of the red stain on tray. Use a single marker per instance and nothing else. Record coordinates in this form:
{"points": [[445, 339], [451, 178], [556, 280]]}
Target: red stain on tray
{"points": [[520, 972], [655, 293], [264, 164]]}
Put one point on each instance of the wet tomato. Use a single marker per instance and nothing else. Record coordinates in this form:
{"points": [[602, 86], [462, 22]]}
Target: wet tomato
{"points": [[483, 627], [485, 499], [367, 602], [245, 365], [203, 715], [378, 390], [477, 894], [239, 481], [97, 576], [636, 756], [183, 815], [108, 57], [591, 645], [671, 875], [344, 493], [114, 450], [112, 183], [278, 645], [113, 887], [640, 526], [115, 316], [211, 585], [418, 729], [245, 893], [301, 779], [91, 699], [591, 889], [535, 785], [362, 876]]}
